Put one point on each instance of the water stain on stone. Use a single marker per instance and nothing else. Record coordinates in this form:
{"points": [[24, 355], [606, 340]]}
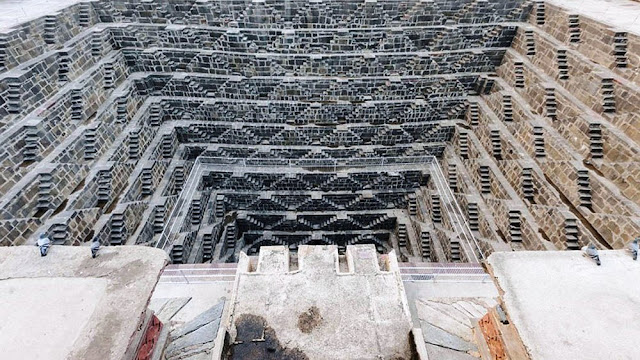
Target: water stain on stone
{"points": [[256, 340], [309, 320]]}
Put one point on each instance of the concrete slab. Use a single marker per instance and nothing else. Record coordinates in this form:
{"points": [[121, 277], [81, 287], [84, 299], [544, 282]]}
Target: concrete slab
{"points": [[436, 336], [15, 12], [450, 289], [197, 337], [566, 307], [470, 309], [446, 311], [69, 306], [203, 296], [211, 315], [437, 352], [34, 308], [444, 321], [317, 312], [450, 310], [203, 335], [168, 308]]}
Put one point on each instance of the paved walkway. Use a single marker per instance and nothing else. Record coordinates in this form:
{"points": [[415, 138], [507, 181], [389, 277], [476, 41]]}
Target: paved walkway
{"points": [[14, 12]]}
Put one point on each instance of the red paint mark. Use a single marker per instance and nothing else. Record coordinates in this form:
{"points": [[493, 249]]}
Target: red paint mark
{"points": [[149, 340]]}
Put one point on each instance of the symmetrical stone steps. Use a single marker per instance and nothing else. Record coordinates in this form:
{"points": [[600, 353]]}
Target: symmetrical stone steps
{"points": [[305, 201], [255, 239], [373, 81], [319, 220], [326, 14], [353, 65]]}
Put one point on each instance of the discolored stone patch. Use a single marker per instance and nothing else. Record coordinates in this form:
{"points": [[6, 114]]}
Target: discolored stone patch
{"points": [[256, 340], [309, 320]]}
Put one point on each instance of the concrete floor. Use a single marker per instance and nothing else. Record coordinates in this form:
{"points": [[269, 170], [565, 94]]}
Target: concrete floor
{"points": [[318, 312], [68, 305], [35, 308], [15, 12], [202, 297], [566, 307], [429, 289]]}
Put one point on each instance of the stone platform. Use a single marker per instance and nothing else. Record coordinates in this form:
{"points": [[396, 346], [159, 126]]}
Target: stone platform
{"points": [[68, 305], [563, 305], [324, 307]]}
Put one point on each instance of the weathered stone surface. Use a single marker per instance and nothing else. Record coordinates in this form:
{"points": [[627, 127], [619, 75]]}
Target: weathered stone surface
{"points": [[211, 315], [280, 118], [169, 308], [195, 338], [436, 336]]}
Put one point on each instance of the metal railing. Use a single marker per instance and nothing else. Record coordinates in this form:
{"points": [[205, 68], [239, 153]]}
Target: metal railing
{"points": [[179, 210], [443, 272], [198, 273], [320, 163], [467, 240], [201, 163], [409, 272]]}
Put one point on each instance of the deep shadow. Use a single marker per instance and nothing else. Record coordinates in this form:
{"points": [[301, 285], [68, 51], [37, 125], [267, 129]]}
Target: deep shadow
{"points": [[256, 340]]}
